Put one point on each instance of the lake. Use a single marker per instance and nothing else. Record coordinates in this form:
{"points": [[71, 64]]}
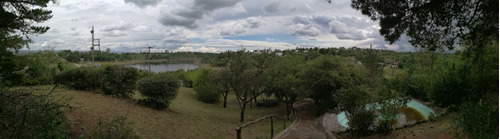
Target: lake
{"points": [[163, 67]]}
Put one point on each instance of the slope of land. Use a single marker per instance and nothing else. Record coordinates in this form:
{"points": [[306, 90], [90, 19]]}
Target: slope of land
{"points": [[186, 117]]}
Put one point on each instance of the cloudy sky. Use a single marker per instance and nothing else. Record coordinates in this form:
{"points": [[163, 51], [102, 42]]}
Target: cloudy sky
{"points": [[209, 25]]}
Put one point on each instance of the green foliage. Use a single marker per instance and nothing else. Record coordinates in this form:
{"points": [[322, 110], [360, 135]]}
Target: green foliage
{"points": [[74, 56], [206, 87], [83, 78], [39, 72], [284, 82], [412, 84], [24, 114], [21, 18], [118, 128], [466, 80], [11, 65], [478, 120], [119, 80], [191, 77], [453, 88], [362, 121], [388, 112], [372, 61], [246, 77], [160, 90], [474, 22], [324, 75], [354, 102]]}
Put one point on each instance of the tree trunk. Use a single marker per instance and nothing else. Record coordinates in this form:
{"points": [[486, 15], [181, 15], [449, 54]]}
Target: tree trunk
{"points": [[225, 100], [242, 114]]}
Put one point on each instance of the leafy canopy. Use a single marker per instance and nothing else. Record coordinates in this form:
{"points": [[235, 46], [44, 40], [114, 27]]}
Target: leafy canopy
{"points": [[19, 19], [433, 24]]}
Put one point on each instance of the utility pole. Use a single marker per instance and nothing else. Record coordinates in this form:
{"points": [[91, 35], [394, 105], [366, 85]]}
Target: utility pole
{"points": [[98, 44], [149, 57]]}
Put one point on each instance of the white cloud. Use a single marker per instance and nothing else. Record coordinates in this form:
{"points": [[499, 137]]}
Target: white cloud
{"points": [[241, 26], [206, 25]]}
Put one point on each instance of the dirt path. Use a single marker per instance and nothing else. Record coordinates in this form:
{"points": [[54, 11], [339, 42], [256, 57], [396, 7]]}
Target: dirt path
{"points": [[307, 126]]}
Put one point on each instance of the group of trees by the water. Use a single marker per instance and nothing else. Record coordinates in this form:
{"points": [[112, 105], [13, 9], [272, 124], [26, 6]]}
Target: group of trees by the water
{"points": [[78, 56]]}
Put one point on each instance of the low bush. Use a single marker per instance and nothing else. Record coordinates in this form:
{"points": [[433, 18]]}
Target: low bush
{"points": [[119, 80], [160, 90], [205, 87], [84, 78], [24, 114], [117, 128], [478, 120], [354, 102]]}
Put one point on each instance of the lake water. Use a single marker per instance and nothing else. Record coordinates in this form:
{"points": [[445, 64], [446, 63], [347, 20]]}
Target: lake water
{"points": [[163, 67]]}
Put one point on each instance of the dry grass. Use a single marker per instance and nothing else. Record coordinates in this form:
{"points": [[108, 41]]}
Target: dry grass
{"points": [[186, 117]]}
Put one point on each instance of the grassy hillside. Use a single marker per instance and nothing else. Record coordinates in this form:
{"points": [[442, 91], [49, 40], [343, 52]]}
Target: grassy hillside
{"points": [[186, 117]]}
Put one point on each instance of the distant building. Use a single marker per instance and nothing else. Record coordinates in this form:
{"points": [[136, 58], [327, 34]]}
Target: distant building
{"points": [[279, 54], [395, 63]]}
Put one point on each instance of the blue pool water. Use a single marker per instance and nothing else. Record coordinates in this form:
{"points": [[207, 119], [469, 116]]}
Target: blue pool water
{"points": [[424, 110]]}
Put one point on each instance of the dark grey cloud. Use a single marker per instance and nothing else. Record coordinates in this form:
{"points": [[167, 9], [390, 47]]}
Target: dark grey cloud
{"points": [[175, 20], [143, 3], [254, 22], [338, 27], [189, 16], [115, 33], [322, 20], [272, 7], [121, 27], [174, 39], [301, 29], [351, 36]]}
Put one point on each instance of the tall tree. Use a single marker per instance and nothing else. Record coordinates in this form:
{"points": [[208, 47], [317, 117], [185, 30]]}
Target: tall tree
{"points": [[222, 82], [247, 81], [18, 19], [284, 81], [433, 24], [323, 76], [17, 23]]}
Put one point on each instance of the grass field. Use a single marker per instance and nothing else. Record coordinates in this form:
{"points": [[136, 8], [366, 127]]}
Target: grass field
{"points": [[186, 117]]}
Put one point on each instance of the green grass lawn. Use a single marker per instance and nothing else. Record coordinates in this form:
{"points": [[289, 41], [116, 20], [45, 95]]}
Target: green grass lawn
{"points": [[186, 117]]}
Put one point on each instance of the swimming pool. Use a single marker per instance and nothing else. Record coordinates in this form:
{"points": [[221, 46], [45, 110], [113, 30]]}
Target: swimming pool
{"points": [[418, 107]]}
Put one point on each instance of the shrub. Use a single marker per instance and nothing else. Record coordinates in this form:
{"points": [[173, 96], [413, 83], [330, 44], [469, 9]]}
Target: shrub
{"points": [[160, 90], [205, 87], [24, 114], [119, 81], [354, 102], [84, 78], [478, 120], [362, 121], [388, 111], [117, 128]]}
